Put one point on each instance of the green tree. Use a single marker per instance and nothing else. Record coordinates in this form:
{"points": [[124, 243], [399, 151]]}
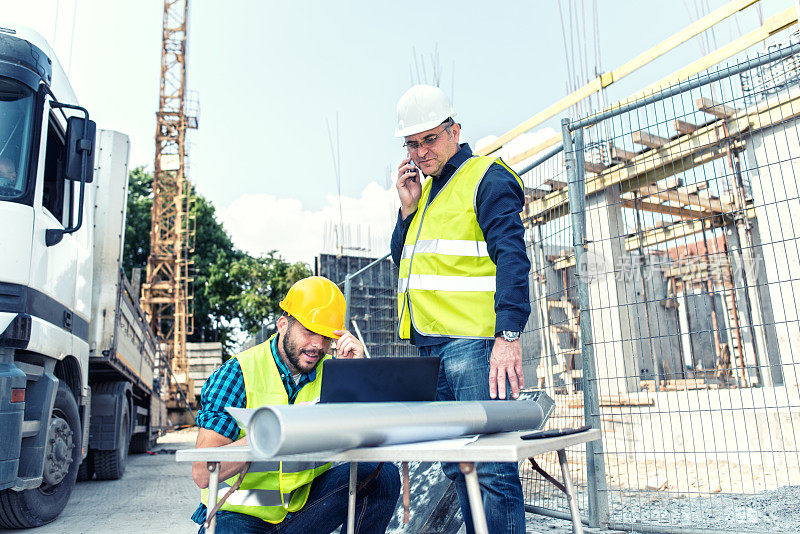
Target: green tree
{"points": [[213, 248], [137, 228], [254, 287], [231, 288]]}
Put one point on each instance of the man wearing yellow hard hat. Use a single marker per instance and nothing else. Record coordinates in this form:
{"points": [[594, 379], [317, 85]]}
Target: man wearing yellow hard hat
{"points": [[286, 369]]}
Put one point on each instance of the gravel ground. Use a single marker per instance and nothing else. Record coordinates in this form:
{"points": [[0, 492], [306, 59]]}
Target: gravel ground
{"points": [[773, 511], [766, 511]]}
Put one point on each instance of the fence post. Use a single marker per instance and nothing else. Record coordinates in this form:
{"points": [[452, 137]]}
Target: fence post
{"points": [[348, 282], [595, 463]]}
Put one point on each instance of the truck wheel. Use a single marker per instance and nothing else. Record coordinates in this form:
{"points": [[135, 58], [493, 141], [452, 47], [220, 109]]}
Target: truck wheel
{"points": [[39, 506], [86, 470], [110, 465]]}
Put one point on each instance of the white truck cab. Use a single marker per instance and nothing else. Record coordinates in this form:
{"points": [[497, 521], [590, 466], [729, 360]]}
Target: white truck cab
{"points": [[77, 357]]}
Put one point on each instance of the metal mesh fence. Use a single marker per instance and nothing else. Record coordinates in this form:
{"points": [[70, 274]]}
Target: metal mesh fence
{"points": [[677, 333], [552, 337], [688, 254]]}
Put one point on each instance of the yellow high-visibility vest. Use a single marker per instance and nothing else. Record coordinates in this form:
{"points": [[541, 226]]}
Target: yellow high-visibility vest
{"points": [[270, 490], [447, 280]]}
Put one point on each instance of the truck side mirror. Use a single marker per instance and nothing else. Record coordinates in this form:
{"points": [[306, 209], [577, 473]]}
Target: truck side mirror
{"points": [[80, 138], [79, 164]]}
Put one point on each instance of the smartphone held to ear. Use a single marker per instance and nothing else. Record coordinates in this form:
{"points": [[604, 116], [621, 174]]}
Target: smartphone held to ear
{"points": [[415, 170]]}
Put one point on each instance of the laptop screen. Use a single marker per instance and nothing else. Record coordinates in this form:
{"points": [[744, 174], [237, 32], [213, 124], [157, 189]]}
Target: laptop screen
{"points": [[380, 380]]}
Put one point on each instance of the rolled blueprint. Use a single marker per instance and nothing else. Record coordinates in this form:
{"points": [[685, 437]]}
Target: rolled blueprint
{"points": [[287, 429]]}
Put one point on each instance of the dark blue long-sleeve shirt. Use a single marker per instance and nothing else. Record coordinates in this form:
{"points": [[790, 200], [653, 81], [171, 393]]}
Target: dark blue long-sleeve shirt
{"points": [[499, 201]]}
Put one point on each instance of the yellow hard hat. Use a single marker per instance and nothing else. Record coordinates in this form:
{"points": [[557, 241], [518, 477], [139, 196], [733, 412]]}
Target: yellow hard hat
{"points": [[318, 304]]}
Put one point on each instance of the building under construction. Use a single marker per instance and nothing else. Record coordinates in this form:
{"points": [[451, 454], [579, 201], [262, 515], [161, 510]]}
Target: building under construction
{"points": [[665, 253], [682, 246], [372, 302]]}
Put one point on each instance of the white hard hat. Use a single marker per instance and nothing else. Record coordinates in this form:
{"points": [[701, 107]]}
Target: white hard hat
{"points": [[421, 108]]}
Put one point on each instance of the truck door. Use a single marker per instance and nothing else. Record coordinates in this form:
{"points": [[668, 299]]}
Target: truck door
{"points": [[53, 269]]}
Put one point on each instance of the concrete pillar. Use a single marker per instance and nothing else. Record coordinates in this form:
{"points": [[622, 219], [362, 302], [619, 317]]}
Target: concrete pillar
{"points": [[660, 337], [686, 339], [611, 296], [773, 169]]}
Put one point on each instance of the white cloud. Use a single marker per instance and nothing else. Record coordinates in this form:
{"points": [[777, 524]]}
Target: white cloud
{"points": [[259, 223]]}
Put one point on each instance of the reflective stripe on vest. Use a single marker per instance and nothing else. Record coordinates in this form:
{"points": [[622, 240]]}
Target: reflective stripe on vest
{"points": [[448, 247], [433, 282], [254, 497], [447, 280], [270, 490]]}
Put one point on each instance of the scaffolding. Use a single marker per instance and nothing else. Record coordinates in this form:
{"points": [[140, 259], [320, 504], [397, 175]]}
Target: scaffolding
{"points": [[672, 270]]}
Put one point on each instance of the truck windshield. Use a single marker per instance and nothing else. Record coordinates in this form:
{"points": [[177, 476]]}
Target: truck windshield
{"points": [[16, 121]]}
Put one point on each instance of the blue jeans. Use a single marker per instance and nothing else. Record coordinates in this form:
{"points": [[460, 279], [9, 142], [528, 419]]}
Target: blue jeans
{"points": [[464, 376], [326, 507]]}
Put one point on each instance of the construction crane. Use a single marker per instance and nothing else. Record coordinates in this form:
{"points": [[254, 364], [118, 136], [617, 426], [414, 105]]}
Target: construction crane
{"points": [[167, 291]]}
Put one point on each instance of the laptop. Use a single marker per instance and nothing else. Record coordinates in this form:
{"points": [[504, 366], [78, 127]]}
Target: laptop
{"points": [[380, 380]]}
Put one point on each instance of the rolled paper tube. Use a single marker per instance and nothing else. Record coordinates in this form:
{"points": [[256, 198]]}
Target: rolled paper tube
{"points": [[287, 429]]}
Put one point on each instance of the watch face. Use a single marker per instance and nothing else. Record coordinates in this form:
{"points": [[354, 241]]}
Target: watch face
{"points": [[510, 336]]}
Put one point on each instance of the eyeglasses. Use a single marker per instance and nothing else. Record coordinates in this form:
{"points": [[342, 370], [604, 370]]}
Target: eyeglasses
{"points": [[427, 141]]}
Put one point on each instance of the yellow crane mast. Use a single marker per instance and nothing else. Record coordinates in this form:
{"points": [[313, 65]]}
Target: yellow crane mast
{"points": [[167, 291]]}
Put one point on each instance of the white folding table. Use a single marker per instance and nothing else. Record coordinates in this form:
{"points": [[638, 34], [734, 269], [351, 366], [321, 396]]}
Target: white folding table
{"points": [[501, 447]]}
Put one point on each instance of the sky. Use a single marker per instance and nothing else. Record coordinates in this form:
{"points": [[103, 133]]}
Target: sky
{"points": [[274, 79]]}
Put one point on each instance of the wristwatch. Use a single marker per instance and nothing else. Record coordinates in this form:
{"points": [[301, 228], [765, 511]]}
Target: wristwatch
{"points": [[509, 335]]}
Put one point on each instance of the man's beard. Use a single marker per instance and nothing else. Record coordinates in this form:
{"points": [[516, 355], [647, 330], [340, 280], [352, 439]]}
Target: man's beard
{"points": [[293, 354]]}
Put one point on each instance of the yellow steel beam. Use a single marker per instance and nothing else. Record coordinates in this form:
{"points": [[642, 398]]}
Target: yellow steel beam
{"points": [[563, 262], [535, 150], [646, 168], [772, 25], [697, 268], [713, 204], [606, 79], [655, 236], [661, 209]]}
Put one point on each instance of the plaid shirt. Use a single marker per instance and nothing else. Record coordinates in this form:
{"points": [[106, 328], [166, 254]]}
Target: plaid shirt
{"points": [[225, 387]]}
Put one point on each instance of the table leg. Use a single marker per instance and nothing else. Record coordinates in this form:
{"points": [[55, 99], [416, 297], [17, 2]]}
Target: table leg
{"points": [[577, 525], [351, 499], [213, 488], [475, 499]]}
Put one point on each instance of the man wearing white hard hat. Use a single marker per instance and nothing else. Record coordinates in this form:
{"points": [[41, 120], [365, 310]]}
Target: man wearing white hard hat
{"points": [[463, 286]]}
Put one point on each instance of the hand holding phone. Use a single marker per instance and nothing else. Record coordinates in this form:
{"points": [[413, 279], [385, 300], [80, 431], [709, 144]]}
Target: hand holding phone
{"points": [[409, 187]]}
